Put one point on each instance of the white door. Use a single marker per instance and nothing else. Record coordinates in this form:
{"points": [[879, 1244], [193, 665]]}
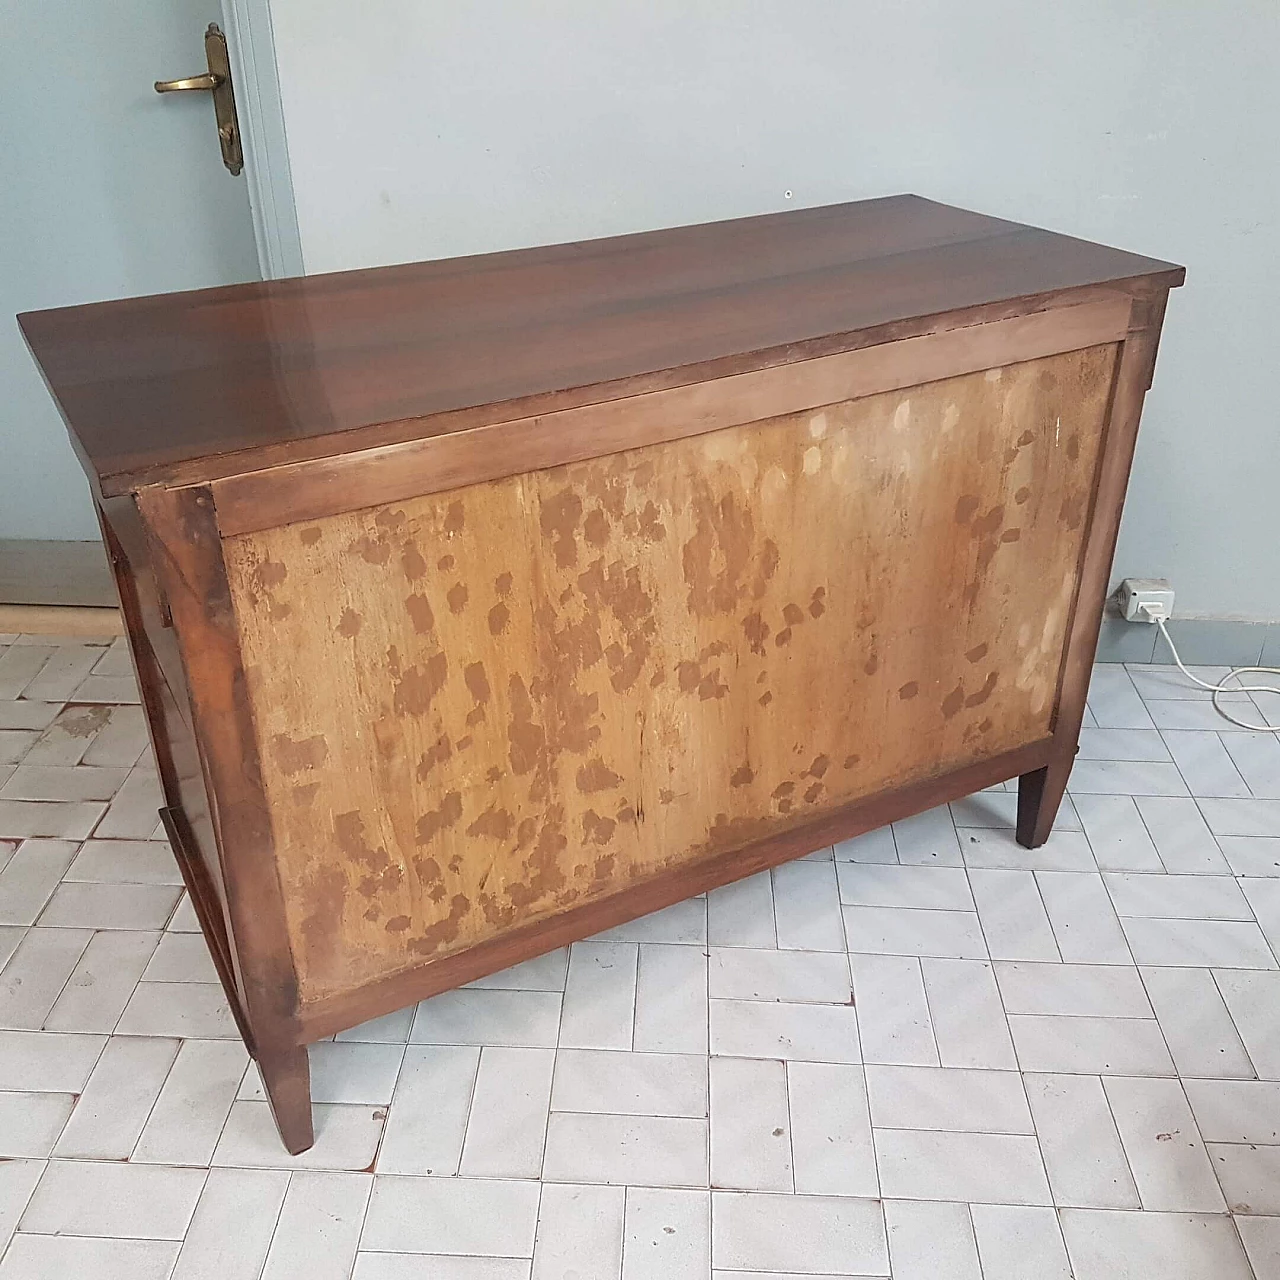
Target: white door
{"points": [[109, 190]]}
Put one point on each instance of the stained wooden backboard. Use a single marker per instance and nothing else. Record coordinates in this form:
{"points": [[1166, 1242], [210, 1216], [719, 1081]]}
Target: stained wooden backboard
{"points": [[478, 707]]}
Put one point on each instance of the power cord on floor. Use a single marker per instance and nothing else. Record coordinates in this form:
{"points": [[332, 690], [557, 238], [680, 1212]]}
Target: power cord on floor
{"points": [[1156, 615]]}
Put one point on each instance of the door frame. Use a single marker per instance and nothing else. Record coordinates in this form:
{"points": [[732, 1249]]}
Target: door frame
{"points": [[266, 149]]}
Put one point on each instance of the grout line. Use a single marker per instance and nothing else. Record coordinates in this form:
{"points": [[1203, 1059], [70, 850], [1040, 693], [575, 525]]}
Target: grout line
{"points": [[773, 908], [93, 933], [537, 1213], [395, 1084], [787, 1063], [626, 1213], [1150, 836], [635, 1001], [1044, 906], [933, 1035], [21, 1210], [151, 1109], [471, 1101], [791, 1128], [1124, 1151], [973, 1233], [288, 1186], [1213, 977]]}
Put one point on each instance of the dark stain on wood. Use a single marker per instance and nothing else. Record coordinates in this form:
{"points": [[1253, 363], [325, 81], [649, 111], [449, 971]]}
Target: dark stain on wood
{"points": [[293, 756], [953, 701], [558, 520], [988, 688], [420, 613], [412, 563], [596, 528], [595, 775], [416, 687], [438, 752], [440, 819]]}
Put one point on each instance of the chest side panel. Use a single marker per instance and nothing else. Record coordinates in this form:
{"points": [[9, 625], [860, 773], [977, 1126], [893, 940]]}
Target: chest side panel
{"points": [[476, 708]]}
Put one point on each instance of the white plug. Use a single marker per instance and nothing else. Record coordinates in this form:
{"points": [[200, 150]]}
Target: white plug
{"points": [[1145, 600]]}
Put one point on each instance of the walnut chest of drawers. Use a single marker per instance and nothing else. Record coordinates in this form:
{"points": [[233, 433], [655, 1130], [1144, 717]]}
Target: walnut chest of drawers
{"points": [[480, 605]]}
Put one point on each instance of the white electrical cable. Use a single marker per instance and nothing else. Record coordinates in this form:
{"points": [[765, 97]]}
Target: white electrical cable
{"points": [[1222, 686]]}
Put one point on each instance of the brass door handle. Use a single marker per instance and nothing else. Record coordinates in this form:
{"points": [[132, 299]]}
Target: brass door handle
{"points": [[217, 81], [209, 80]]}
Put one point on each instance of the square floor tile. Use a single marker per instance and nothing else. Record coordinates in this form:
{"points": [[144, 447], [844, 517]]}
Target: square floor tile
{"points": [[929, 1238], [790, 1233], [667, 1234], [750, 1125], [234, 1221], [118, 1098], [1250, 1176], [968, 1016], [45, 1061], [319, 1226], [831, 1146], [949, 1098], [742, 973], [580, 1230], [908, 931], [893, 1010], [1107, 1245], [1019, 1240], [38, 1257], [1163, 1145], [1197, 1027], [506, 1131], [806, 1032], [184, 1009], [565, 1113], [110, 906], [640, 1084], [1234, 944], [1261, 1238], [31, 1122], [346, 1138], [1073, 990], [1080, 1143], [90, 1198], [661, 1151], [473, 1216], [1095, 1046], [468, 1016], [994, 1168]]}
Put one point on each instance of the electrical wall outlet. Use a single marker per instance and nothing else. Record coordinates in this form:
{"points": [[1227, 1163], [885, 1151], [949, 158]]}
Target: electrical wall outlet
{"points": [[1145, 599]]}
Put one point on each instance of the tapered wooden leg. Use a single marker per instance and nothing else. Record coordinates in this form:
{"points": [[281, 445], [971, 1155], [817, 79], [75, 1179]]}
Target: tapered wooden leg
{"points": [[286, 1077], [1039, 795]]}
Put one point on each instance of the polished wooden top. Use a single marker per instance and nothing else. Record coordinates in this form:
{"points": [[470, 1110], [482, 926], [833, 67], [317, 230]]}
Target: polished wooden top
{"points": [[188, 386]]}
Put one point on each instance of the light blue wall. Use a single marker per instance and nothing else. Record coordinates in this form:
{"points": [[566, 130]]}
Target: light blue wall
{"points": [[108, 190], [430, 129]]}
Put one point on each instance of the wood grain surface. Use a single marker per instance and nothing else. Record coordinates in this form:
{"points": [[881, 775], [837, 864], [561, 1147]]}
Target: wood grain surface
{"points": [[321, 487], [186, 387], [475, 709]]}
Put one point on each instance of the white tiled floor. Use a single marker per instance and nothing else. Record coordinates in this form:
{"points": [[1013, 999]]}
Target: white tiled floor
{"points": [[932, 1053]]}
